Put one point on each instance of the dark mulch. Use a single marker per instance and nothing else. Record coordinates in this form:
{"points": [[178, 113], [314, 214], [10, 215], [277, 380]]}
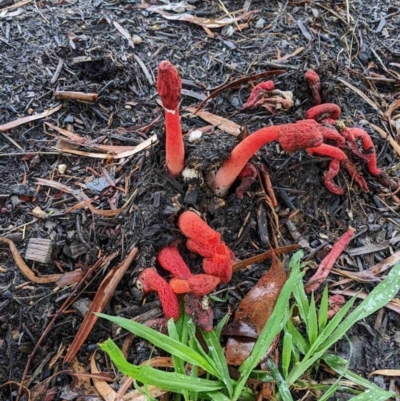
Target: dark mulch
{"points": [[74, 45]]}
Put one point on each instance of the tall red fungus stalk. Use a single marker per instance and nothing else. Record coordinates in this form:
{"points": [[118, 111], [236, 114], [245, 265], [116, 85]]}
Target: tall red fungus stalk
{"points": [[169, 86]]}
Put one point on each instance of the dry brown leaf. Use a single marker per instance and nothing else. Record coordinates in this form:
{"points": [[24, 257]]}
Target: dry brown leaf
{"points": [[104, 389], [394, 106], [222, 123], [386, 372], [209, 23], [24, 120], [384, 135], [100, 301], [361, 94], [254, 311]]}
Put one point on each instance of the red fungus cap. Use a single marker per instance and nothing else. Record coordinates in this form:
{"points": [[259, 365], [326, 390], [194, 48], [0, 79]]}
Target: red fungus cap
{"points": [[220, 264], [150, 280], [171, 260], [169, 85], [195, 228], [324, 111], [314, 85]]}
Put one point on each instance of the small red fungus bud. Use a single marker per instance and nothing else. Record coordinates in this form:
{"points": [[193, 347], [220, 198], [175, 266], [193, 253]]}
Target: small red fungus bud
{"points": [[220, 264], [150, 280], [193, 227], [292, 137], [171, 260], [335, 303], [169, 86], [199, 284], [314, 86], [257, 92], [323, 112]]}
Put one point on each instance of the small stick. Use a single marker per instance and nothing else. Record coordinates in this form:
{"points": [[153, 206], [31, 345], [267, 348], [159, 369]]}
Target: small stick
{"points": [[79, 96]]}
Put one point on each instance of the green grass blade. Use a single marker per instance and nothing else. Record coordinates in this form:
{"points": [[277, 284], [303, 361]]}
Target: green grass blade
{"points": [[145, 374], [298, 340], [215, 396], [323, 310], [312, 322], [179, 364], [339, 365], [371, 395], [284, 391], [217, 354], [286, 352], [385, 291], [162, 341]]}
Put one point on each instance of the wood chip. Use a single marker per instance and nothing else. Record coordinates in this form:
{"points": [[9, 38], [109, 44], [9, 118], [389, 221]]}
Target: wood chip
{"points": [[39, 250]]}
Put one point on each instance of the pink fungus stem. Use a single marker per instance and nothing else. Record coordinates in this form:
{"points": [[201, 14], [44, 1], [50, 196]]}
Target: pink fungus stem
{"points": [[292, 137], [150, 280], [169, 86], [328, 262]]}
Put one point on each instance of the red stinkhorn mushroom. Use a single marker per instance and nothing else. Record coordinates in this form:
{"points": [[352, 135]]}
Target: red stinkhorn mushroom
{"points": [[327, 263], [314, 86], [193, 227], [169, 86], [171, 260], [220, 264], [326, 111], [150, 280], [199, 284], [257, 92], [207, 243], [292, 137]]}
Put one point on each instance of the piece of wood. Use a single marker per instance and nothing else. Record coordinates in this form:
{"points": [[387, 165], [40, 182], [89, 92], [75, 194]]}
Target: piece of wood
{"points": [[39, 250]]}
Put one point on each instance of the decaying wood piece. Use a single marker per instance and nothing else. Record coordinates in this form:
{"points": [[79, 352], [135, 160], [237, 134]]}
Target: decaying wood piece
{"points": [[39, 250], [26, 271], [79, 96]]}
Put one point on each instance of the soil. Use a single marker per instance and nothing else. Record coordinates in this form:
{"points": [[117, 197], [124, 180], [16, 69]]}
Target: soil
{"points": [[49, 46]]}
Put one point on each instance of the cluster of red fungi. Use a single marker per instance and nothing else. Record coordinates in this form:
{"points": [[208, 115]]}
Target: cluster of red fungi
{"points": [[321, 123]]}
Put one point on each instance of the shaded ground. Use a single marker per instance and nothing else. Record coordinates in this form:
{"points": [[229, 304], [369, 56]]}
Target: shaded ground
{"points": [[76, 45]]}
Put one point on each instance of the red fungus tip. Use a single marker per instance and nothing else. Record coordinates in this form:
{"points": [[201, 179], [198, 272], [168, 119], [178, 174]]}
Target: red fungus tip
{"points": [[314, 86], [179, 286], [220, 264], [169, 85], [150, 280], [171, 260], [323, 112], [257, 92], [193, 227]]}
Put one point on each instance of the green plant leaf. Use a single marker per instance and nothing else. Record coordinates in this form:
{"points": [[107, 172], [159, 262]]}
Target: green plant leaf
{"points": [[286, 352], [298, 340], [284, 391], [217, 354], [323, 310], [162, 341], [339, 365], [170, 381], [311, 322], [384, 292]]}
